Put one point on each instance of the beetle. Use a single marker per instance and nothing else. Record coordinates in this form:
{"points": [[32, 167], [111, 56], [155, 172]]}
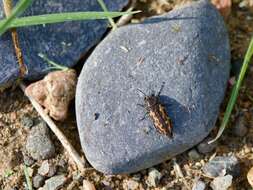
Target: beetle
{"points": [[157, 113]]}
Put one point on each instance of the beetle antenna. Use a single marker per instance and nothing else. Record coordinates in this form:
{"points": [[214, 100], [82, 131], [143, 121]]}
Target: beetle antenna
{"points": [[161, 89], [141, 92]]}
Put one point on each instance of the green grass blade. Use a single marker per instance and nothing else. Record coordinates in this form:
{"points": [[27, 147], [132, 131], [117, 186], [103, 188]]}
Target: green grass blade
{"points": [[62, 17], [235, 91], [55, 65], [102, 4], [18, 10], [27, 178]]}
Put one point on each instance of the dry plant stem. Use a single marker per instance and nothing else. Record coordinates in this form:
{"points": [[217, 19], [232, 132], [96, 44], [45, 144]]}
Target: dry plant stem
{"points": [[73, 153], [179, 173], [22, 68], [64, 141], [126, 18]]}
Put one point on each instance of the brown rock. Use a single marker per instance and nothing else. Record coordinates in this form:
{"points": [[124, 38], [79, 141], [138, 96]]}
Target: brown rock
{"points": [[55, 92], [224, 6]]}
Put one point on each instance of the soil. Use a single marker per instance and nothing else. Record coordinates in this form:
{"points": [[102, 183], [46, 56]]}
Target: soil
{"points": [[14, 105]]}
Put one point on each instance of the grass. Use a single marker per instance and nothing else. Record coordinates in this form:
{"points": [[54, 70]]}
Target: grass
{"points": [[21, 6], [13, 22], [103, 6], [27, 178], [235, 91], [54, 65]]}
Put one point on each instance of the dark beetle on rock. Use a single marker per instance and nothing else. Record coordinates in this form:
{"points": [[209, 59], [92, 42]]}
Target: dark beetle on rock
{"points": [[157, 112]]}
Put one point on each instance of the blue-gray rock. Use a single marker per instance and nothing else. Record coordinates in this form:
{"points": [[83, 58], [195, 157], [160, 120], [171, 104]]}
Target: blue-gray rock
{"points": [[222, 182], [54, 183], [26, 121], [38, 181], [222, 165], [39, 145], [63, 43], [187, 50]]}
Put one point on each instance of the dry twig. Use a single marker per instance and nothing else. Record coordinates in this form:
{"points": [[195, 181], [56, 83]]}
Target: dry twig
{"points": [[64, 141], [126, 18], [66, 144]]}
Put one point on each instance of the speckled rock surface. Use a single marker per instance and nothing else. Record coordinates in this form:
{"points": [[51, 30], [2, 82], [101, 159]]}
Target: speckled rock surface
{"points": [[39, 144], [188, 49], [64, 42]]}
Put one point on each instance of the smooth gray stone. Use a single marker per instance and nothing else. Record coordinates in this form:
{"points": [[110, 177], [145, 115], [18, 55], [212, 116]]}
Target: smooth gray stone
{"points": [[222, 165], [63, 43], [188, 49]]}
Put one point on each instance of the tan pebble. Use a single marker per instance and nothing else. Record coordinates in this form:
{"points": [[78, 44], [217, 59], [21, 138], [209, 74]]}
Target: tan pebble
{"points": [[250, 176], [247, 150], [198, 164], [88, 185]]}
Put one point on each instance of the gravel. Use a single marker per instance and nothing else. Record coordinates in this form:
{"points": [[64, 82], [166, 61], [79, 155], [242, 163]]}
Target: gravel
{"points": [[144, 56], [222, 165], [38, 181], [199, 185], [47, 169], [221, 183], [154, 177], [54, 183]]}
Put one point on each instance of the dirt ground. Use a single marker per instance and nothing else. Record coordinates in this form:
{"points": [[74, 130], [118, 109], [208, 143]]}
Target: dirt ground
{"points": [[14, 106]]}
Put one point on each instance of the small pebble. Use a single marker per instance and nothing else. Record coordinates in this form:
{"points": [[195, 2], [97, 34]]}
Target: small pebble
{"points": [[55, 183], [62, 166], [26, 121], [88, 185], [130, 185], [250, 176], [39, 144], [38, 181], [243, 4], [205, 148], [154, 177], [221, 183], [199, 185], [29, 161], [193, 154], [76, 175], [47, 169], [240, 129], [222, 165]]}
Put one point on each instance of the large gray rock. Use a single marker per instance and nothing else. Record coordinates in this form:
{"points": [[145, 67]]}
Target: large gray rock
{"points": [[188, 49], [64, 42]]}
